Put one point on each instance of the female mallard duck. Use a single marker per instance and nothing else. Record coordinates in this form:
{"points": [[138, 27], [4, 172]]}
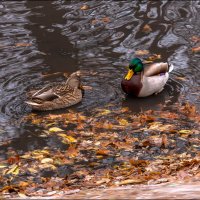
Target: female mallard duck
{"points": [[55, 96], [143, 81]]}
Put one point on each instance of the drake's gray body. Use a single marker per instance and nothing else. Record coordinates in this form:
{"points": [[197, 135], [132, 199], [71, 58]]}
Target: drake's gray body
{"points": [[150, 81]]}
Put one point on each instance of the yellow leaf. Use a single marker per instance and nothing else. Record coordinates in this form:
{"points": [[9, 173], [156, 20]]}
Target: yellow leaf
{"points": [[141, 52], [14, 170], [104, 112], [69, 138], [123, 122], [185, 131], [55, 129], [2, 165], [46, 160]]}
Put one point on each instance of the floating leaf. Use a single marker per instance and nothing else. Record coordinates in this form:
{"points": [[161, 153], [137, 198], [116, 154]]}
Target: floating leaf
{"points": [[105, 19], [103, 112], [103, 152], [131, 181], [146, 29], [154, 57], [195, 38], [180, 78], [23, 44], [185, 131], [23, 184], [196, 49], [14, 170], [84, 7], [67, 138], [123, 122], [103, 180], [3, 165], [141, 52], [72, 151], [46, 160], [55, 129]]}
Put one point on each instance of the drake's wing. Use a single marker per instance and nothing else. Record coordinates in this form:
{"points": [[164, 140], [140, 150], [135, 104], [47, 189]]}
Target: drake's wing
{"points": [[156, 69]]}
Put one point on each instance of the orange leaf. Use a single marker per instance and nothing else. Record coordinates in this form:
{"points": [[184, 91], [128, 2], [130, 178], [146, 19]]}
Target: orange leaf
{"points": [[103, 152], [196, 49], [23, 44]]}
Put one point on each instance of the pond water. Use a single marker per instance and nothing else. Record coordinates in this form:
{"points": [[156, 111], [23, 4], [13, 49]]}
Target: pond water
{"points": [[44, 37]]}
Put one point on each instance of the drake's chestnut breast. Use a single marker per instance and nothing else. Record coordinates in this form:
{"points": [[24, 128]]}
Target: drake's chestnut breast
{"points": [[132, 86]]}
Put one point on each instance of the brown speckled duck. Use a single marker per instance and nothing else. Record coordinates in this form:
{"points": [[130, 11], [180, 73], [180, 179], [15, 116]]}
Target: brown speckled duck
{"points": [[56, 96], [143, 81]]}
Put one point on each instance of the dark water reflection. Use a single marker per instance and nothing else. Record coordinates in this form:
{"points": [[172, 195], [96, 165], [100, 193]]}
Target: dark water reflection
{"points": [[61, 37]]}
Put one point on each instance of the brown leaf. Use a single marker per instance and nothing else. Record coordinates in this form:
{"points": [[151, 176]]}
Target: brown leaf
{"points": [[23, 184], [195, 38], [72, 151], [103, 180], [13, 159], [84, 7], [164, 140], [180, 78], [105, 19], [146, 29], [137, 163], [131, 181], [154, 57]]}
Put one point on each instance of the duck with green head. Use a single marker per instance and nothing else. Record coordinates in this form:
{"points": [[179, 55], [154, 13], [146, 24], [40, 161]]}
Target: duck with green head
{"points": [[145, 80]]}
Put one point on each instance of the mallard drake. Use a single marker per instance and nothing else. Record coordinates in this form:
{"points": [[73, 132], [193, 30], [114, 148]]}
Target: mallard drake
{"points": [[143, 81], [55, 96]]}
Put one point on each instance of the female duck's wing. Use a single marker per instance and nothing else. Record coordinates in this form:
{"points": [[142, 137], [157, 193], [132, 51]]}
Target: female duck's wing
{"points": [[51, 92]]}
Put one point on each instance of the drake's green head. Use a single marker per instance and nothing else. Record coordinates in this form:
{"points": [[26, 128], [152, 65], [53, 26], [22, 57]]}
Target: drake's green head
{"points": [[135, 66]]}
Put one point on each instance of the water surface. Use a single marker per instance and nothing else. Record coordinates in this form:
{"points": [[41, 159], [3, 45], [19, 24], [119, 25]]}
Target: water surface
{"points": [[40, 37]]}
